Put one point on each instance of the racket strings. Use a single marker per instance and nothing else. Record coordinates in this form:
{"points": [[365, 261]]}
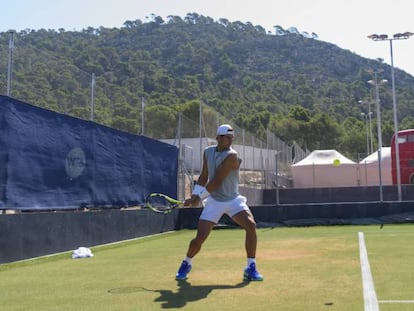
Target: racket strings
{"points": [[160, 204]]}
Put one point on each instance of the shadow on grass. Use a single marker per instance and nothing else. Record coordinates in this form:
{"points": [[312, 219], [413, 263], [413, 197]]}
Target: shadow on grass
{"points": [[185, 293]]}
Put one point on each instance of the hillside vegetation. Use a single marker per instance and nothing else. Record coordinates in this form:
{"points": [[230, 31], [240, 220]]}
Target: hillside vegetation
{"points": [[292, 84]]}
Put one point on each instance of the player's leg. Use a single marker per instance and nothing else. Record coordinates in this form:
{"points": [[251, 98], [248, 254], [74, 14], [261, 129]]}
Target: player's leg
{"points": [[204, 228], [246, 221], [209, 217]]}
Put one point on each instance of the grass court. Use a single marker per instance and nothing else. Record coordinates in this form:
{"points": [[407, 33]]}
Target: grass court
{"points": [[306, 268]]}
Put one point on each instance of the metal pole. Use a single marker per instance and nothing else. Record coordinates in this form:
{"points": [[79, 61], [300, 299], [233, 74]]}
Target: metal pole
{"points": [[93, 97], [244, 150], [370, 129], [383, 37], [277, 179], [142, 115], [181, 152], [364, 115], [397, 145], [368, 119], [179, 130], [366, 125], [10, 63], [262, 170], [253, 157], [200, 121], [379, 135]]}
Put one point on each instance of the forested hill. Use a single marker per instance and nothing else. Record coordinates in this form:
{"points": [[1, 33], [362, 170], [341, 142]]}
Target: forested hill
{"points": [[291, 83]]}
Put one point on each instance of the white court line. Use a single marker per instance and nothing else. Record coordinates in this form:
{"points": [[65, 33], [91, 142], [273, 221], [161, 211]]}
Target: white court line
{"points": [[370, 297], [396, 301], [94, 246]]}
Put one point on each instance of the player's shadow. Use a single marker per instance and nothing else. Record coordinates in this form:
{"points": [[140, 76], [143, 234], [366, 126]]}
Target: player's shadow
{"points": [[187, 293], [178, 299]]}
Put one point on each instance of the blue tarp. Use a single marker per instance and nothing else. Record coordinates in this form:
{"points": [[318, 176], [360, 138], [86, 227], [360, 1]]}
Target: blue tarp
{"points": [[49, 160]]}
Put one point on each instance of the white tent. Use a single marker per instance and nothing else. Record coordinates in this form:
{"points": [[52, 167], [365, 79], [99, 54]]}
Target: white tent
{"points": [[325, 168], [369, 168]]}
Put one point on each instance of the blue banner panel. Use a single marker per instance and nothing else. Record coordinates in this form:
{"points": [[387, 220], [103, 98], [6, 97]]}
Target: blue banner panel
{"points": [[52, 161]]}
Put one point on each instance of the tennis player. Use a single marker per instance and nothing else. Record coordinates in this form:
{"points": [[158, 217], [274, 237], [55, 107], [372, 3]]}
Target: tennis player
{"points": [[218, 187]]}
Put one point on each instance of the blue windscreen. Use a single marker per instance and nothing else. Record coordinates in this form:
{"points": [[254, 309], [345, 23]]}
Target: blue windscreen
{"points": [[52, 161]]}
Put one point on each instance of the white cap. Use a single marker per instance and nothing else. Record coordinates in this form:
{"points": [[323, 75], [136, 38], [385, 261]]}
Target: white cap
{"points": [[225, 129]]}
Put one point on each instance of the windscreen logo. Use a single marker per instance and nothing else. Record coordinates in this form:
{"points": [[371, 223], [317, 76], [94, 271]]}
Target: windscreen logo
{"points": [[75, 162]]}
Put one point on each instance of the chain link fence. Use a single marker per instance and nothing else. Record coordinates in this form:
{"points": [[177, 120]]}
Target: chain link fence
{"points": [[265, 163]]}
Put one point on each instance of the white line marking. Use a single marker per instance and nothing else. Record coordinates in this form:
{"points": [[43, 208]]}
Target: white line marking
{"points": [[370, 297], [396, 301], [94, 246]]}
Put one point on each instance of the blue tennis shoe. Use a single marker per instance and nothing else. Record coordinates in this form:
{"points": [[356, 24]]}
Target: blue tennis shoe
{"points": [[251, 273], [185, 268]]}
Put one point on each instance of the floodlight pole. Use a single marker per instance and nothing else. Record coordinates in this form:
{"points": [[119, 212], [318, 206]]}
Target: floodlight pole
{"points": [[396, 141], [397, 36]]}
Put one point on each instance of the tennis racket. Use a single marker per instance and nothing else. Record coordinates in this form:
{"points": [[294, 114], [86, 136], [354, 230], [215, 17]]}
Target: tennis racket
{"points": [[161, 203]]}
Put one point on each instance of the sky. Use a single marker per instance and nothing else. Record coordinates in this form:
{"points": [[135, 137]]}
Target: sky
{"points": [[343, 23]]}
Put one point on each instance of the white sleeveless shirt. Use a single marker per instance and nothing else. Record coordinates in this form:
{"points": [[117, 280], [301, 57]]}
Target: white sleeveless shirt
{"points": [[229, 189]]}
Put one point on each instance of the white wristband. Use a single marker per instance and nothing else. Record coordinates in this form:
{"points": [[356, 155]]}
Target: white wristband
{"points": [[197, 189], [204, 194]]}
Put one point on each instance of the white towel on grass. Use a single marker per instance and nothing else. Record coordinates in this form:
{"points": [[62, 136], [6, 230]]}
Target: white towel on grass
{"points": [[82, 252]]}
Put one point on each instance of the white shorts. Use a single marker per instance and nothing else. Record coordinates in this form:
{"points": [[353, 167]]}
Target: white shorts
{"points": [[213, 209]]}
